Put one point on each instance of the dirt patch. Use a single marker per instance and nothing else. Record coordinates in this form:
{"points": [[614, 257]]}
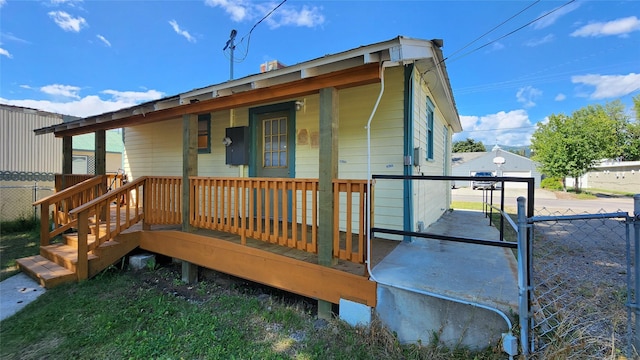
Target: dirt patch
{"points": [[167, 278]]}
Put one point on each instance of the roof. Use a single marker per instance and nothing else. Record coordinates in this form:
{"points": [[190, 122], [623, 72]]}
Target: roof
{"points": [[463, 157], [38, 112], [355, 67], [87, 142]]}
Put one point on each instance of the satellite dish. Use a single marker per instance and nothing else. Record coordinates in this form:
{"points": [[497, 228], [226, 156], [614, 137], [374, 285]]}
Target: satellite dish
{"points": [[499, 160]]}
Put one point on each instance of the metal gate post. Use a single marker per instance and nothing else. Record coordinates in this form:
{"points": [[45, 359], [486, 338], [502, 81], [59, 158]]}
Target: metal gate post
{"points": [[636, 244], [523, 277]]}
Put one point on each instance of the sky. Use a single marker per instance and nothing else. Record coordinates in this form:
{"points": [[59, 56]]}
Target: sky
{"points": [[511, 64]]}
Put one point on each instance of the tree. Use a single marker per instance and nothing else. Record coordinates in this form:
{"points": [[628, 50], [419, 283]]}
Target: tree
{"points": [[572, 145], [468, 145]]}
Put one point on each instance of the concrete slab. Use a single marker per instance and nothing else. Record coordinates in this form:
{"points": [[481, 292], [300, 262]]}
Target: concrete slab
{"points": [[481, 274], [16, 292]]}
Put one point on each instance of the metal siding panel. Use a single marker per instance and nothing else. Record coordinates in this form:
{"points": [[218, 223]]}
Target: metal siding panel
{"points": [[22, 149]]}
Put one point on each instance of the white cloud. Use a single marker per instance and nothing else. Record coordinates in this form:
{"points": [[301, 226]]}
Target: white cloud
{"points": [[2, 2], [540, 41], [69, 2], [181, 32], [238, 9], [286, 15], [11, 37], [553, 17], [527, 95], [68, 22], [609, 86], [104, 40], [560, 97], [88, 105], [24, 86], [61, 90], [134, 96], [307, 17], [511, 128], [620, 27], [6, 53]]}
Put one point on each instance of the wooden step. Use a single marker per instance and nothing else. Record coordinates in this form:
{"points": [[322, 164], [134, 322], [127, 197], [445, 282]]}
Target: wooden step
{"points": [[45, 271], [71, 239], [111, 251], [63, 255]]}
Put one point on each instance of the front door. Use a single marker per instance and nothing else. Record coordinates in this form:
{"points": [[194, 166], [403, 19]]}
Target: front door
{"points": [[273, 153]]}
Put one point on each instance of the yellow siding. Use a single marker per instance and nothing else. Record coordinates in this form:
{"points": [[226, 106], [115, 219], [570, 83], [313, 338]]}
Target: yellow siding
{"points": [[430, 198]]}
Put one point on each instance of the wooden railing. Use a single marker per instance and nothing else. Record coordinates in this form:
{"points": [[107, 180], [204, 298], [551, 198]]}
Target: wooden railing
{"points": [[125, 208], [63, 202], [115, 180], [163, 202], [281, 211], [64, 181]]}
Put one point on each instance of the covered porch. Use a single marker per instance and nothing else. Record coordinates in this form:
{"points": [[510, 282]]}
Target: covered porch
{"points": [[261, 229]]}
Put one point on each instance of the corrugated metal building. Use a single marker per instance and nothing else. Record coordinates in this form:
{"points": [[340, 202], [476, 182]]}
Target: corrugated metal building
{"points": [[467, 164], [27, 161]]}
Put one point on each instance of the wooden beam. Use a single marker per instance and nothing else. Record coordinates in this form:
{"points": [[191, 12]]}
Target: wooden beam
{"points": [[101, 152], [357, 76], [67, 156], [296, 276], [328, 170], [189, 168]]}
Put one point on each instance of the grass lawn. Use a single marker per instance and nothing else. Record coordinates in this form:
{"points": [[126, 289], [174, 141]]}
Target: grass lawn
{"points": [[152, 314], [18, 239]]}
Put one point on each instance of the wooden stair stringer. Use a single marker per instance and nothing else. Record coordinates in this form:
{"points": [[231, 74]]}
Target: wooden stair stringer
{"points": [[112, 250]]}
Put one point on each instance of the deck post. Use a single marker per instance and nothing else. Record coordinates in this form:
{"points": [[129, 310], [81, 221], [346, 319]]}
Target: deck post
{"points": [[67, 159], [189, 168], [328, 170], [101, 163]]}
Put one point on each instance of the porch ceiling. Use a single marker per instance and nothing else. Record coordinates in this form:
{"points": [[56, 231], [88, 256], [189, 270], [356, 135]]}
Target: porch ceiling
{"points": [[355, 76]]}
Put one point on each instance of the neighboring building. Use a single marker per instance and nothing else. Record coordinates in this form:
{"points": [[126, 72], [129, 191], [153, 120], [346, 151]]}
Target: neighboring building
{"points": [[611, 175], [84, 147], [27, 161], [468, 164]]}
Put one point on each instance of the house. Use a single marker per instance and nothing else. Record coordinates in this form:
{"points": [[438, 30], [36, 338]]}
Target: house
{"points": [[28, 162], [611, 175], [84, 147], [512, 165], [269, 179]]}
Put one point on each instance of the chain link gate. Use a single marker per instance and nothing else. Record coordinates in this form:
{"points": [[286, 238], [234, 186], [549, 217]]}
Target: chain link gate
{"points": [[582, 283]]}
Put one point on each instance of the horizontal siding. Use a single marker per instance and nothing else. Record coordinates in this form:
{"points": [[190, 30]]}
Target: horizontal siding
{"points": [[430, 198], [22, 149]]}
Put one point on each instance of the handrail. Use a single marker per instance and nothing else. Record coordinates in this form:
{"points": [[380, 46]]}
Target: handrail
{"points": [[99, 199], [75, 188], [282, 211], [129, 210], [64, 201]]}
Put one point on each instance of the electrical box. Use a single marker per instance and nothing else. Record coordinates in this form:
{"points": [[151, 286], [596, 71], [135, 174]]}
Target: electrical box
{"points": [[418, 156], [236, 142]]}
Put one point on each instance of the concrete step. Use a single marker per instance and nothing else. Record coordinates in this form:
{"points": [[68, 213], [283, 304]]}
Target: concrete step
{"points": [[47, 273]]}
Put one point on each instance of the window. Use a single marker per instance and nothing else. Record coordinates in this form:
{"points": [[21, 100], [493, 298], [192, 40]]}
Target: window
{"points": [[274, 148], [204, 134], [430, 108]]}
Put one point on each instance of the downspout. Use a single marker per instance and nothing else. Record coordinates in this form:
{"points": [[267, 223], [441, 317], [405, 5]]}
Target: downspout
{"points": [[368, 217], [408, 149]]}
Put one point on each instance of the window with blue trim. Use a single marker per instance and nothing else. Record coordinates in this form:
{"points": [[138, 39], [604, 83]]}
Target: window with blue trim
{"points": [[430, 114], [204, 134]]}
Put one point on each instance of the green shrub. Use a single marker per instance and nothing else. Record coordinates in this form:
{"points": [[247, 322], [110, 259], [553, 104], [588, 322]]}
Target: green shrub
{"points": [[22, 223], [551, 183]]}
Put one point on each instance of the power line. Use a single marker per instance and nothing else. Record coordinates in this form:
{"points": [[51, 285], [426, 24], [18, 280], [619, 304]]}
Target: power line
{"points": [[516, 30], [248, 35], [492, 29]]}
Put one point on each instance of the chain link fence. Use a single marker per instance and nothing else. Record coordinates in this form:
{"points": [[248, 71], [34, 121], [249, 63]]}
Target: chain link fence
{"points": [[19, 190], [582, 275]]}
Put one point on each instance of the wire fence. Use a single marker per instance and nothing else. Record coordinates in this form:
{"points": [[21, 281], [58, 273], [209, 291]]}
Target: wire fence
{"points": [[582, 275], [17, 197]]}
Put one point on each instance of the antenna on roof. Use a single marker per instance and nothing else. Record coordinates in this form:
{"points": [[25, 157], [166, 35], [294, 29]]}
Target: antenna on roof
{"points": [[231, 46]]}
